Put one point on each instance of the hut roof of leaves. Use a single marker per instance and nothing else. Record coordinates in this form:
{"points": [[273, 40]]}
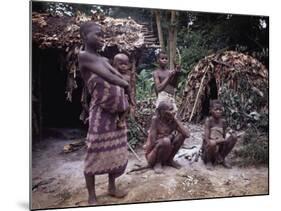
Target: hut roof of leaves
{"points": [[238, 80], [63, 31]]}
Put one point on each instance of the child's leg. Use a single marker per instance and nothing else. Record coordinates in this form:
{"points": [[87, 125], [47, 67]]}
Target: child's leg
{"points": [[164, 150], [204, 150], [151, 157], [90, 184], [112, 190], [159, 154], [226, 147], [211, 151], [176, 144]]}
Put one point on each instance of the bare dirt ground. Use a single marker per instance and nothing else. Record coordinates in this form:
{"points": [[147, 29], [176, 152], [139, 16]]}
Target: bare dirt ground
{"points": [[57, 178]]}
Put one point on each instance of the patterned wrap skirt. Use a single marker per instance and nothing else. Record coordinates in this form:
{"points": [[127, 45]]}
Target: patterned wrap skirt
{"points": [[107, 151]]}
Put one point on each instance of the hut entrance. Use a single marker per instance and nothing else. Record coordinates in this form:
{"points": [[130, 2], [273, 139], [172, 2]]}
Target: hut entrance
{"points": [[211, 93], [49, 82]]}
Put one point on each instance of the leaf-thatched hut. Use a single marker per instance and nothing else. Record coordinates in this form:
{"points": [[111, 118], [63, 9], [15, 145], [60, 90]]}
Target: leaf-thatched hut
{"points": [[238, 80]]}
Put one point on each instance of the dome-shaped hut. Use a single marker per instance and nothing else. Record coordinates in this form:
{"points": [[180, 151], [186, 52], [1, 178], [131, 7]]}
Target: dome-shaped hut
{"points": [[238, 80]]}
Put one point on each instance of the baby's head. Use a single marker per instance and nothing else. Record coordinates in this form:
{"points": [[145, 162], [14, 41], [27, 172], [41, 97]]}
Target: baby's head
{"points": [[121, 63]]}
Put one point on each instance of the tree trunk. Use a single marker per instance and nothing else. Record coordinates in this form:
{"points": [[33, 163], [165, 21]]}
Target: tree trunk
{"points": [[159, 29], [172, 39]]}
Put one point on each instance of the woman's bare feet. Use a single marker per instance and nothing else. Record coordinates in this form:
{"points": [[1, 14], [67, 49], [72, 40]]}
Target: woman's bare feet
{"points": [[112, 190], [92, 200]]}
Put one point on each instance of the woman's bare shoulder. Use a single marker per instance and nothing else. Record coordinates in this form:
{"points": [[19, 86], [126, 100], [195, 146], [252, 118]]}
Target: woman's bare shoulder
{"points": [[86, 56], [83, 56]]}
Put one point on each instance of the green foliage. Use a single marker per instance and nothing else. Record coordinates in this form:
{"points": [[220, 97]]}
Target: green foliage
{"points": [[145, 95], [64, 9], [145, 85], [134, 134], [255, 147], [193, 48], [241, 112], [247, 106]]}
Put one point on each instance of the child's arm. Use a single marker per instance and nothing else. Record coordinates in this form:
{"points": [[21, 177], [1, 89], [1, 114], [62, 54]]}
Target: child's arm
{"points": [[100, 68], [174, 79], [224, 126], [181, 128], [160, 86], [152, 136], [207, 131]]}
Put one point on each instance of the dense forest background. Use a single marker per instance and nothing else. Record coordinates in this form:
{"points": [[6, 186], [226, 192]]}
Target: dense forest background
{"points": [[198, 34]]}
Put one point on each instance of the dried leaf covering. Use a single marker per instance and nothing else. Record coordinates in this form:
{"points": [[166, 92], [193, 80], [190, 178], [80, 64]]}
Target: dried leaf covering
{"points": [[63, 32], [236, 75]]}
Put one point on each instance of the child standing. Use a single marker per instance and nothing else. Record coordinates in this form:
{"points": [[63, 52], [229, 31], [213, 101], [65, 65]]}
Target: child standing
{"points": [[165, 81]]}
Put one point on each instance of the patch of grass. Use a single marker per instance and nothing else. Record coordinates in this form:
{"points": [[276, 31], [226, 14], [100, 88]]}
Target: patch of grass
{"points": [[255, 148]]}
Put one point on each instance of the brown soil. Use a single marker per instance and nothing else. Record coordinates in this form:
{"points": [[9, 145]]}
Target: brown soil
{"points": [[57, 178]]}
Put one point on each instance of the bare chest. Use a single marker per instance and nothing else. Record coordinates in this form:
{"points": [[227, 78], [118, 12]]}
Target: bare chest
{"points": [[162, 75], [216, 131], [165, 128]]}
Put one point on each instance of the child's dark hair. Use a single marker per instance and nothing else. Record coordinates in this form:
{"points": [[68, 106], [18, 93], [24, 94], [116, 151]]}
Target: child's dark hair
{"points": [[161, 53], [215, 102], [163, 106]]}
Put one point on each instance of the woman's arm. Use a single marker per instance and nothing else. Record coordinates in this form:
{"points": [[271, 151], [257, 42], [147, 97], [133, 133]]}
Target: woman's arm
{"points": [[112, 69], [99, 67], [181, 128], [152, 136]]}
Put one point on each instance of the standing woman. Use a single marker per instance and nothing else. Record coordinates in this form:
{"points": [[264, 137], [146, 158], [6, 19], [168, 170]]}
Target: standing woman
{"points": [[106, 144]]}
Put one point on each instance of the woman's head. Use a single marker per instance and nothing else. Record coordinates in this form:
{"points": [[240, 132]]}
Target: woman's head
{"points": [[92, 35], [165, 110]]}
